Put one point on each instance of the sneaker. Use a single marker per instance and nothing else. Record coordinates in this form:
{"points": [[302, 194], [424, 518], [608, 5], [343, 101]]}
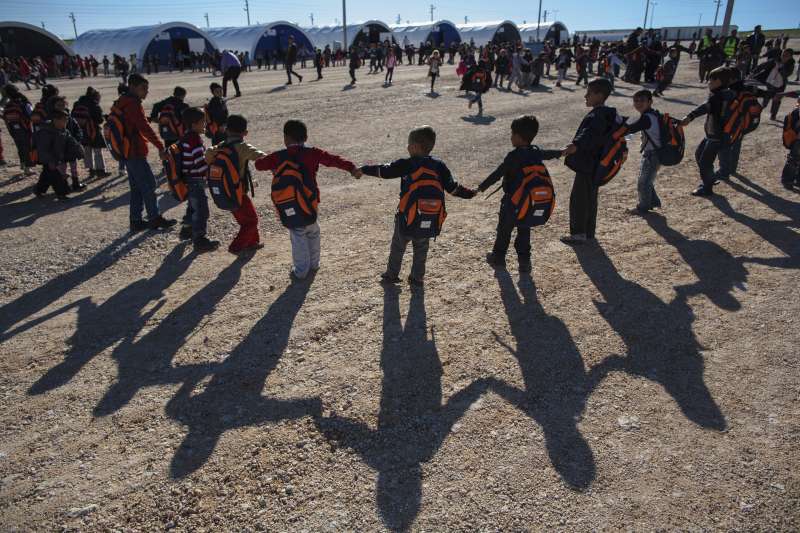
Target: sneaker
{"points": [[525, 266], [294, 277], [495, 261], [787, 185], [29, 172], [637, 211], [139, 225], [77, 185], [301, 80], [186, 232], [702, 191], [63, 198], [578, 238], [414, 282], [203, 245], [161, 223], [387, 278], [101, 173]]}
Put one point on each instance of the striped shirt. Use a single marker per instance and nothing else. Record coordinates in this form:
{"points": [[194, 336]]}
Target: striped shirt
{"points": [[193, 158]]}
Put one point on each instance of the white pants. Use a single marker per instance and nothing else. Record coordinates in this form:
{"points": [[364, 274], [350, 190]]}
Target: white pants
{"points": [[305, 249], [93, 159]]}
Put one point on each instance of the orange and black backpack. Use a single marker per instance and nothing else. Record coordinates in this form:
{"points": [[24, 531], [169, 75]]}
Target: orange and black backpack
{"points": [[612, 156], [226, 185], [211, 127], [791, 129], [15, 117], [38, 116], [422, 210], [673, 139], [83, 117], [295, 197], [741, 115], [173, 170], [115, 135], [169, 124], [535, 198]]}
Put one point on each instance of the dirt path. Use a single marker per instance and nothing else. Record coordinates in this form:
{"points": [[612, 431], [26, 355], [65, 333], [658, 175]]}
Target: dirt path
{"points": [[650, 382]]}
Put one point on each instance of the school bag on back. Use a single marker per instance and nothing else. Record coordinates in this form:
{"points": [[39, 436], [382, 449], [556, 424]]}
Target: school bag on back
{"points": [[791, 129], [14, 117], [173, 170], [613, 154], [226, 185], [83, 117], [169, 126], [293, 194], [741, 115], [673, 140], [535, 198], [114, 133], [421, 209]]}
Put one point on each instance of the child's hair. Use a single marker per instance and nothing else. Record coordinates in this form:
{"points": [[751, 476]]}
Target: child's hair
{"points": [[296, 130], [191, 116], [135, 80], [53, 100], [600, 86], [214, 86], [179, 92], [424, 136], [91, 92], [526, 126], [48, 91], [122, 89], [734, 75], [236, 124], [643, 94], [58, 114], [721, 74]]}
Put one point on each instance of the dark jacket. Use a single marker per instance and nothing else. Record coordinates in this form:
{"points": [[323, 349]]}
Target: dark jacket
{"points": [[403, 168], [713, 109], [510, 170], [218, 110], [291, 54], [176, 103], [590, 138], [96, 114], [56, 146]]}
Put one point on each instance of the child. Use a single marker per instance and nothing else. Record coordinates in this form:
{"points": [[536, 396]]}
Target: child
{"points": [[17, 116], [59, 103], [193, 172], [167, 113], [563, 62], [480, 82], [433, 70], [523, 131], [53, 143], [666, 73], [582, 66], [305, 240], [420, 144], [140, 176], [246, 216], [791, 170], [89, 115], [584, 156], [355, 64], [217, 111], [648, 124], [709, 147], [391, 62]]}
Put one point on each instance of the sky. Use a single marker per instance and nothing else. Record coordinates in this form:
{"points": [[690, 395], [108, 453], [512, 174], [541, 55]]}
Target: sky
{"points": [[576, 14]]}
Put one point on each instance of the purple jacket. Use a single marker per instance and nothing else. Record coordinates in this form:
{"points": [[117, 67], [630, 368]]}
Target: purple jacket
{"points": [[229, 60]]}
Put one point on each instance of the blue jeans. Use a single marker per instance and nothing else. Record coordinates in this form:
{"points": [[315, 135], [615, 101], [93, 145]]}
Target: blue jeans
{"points": [[197, 210], [143, 189], [705, 156], [729, 159], [648, 198]]}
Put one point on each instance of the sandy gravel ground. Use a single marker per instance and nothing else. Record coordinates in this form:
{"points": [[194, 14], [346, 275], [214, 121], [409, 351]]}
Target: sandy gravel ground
{"points": [[650, 382]]}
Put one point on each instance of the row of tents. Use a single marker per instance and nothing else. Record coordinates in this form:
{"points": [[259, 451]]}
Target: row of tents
{"points": [[262, 40]]}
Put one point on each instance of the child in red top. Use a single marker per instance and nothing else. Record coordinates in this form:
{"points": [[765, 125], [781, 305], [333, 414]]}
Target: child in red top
{"points": [[305, 240]]}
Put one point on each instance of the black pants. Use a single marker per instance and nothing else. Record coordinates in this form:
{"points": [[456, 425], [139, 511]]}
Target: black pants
{"points": [[389, 74], [506, 223], [352, 75], [22, 139], [662, 86], [791, 170], [705, 155], [583, 206], [231, 74], [290, 71], [51, 177], [319, 71]]}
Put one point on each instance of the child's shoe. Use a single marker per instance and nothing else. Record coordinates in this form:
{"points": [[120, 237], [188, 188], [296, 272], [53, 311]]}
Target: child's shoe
{"points": [[186, 232], [139, 225], [388, 279], [77, 185], [495, 261], [578, 238], [203, 245], [161, 223], [702, 191]]}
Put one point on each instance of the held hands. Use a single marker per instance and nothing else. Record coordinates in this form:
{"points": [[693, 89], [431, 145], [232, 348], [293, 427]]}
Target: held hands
{"points": [[162, 154], [356, 173], [570, 149], [686, 121]]}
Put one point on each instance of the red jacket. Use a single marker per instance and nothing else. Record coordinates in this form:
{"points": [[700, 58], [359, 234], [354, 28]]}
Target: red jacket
{"points": [[137, 127], [311, 158]]}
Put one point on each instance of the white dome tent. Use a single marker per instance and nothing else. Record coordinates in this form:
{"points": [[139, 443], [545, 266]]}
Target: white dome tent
{"points": [[372, 31], [547, 31], [483, 33], [159, 40], [21, 39], [441, 33], [262, 39]]}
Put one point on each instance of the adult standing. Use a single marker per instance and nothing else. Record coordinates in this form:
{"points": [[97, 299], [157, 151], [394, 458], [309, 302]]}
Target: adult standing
{"points": [[756, 42], [291, 58], [231, 68]]}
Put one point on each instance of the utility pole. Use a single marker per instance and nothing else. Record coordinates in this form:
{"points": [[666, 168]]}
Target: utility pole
{"points": [[646, 12], [74, 27], [399, 20], [247, 9], [716, 14], [43, 26], [433, 8], [726, 23], [539, 21], [344, 26], [545, 16], [207, 23], [312, 19], [466, 19]]}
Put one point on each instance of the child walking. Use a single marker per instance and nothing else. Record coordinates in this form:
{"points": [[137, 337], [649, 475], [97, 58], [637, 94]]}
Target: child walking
{"points": [[433, 68], [304, 160], [648, 124], [421, 211], [391, 62], [193, 172], [89, 116], [512, 171], [791, 141]]}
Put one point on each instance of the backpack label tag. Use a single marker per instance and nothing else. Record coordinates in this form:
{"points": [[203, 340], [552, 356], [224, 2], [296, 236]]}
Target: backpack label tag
{"points": [[425, 224], [290, 212]]}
